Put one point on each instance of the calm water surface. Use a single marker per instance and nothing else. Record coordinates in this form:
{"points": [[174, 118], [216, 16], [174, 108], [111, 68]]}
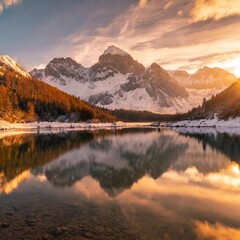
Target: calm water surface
{"points": [[122, 184]]}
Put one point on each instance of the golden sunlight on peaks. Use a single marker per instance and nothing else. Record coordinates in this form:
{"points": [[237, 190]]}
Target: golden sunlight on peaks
{"points": [[7, 188], [235, 64], [216, 231]]}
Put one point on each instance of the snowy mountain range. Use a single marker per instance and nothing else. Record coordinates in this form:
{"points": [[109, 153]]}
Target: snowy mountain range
{"points": [[117, 81]]}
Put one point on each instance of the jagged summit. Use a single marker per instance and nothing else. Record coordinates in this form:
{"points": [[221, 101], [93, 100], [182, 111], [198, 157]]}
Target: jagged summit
{"points": [[115, 51], [113, 61], [69, 61], [62, 70], [8, 63]]}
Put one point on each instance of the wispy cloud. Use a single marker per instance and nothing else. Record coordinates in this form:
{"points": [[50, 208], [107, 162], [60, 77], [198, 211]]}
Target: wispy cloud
{"points": [[142, 3], [174, 33], [225, 60], [154, 31], [8, 3], [214, 9], [141, 23], [1, 7], [216, 231]]}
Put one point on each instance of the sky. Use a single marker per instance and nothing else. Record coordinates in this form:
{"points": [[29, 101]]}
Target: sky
{"points": [[177, 34]]}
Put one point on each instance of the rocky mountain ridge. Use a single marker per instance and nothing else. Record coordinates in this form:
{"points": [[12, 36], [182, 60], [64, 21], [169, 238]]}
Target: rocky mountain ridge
{"points": [[117, 81]]}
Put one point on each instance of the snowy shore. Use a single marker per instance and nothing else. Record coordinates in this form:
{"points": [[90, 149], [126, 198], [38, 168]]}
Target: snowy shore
{"points": [[210, 123], [55, 126], [59, 125]]}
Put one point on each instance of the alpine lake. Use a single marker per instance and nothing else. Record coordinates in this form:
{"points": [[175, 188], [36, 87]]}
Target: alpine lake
{"points": [[143, 184]]}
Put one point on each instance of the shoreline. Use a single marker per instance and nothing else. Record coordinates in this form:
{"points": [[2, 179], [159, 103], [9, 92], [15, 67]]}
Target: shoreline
{"points": [[5, 126], [206, 123], [231, 126]]}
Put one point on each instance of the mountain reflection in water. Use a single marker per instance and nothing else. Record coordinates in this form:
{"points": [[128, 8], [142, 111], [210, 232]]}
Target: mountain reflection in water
{"points": [[122, 184]]}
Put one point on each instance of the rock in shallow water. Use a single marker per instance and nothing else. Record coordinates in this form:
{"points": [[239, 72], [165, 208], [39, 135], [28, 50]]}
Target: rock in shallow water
{"points": [[5, 225]]}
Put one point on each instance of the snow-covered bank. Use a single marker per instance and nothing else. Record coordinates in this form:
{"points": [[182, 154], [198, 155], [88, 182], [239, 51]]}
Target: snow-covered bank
{"points": [[230, 123], [54, 125], [59, 125]]}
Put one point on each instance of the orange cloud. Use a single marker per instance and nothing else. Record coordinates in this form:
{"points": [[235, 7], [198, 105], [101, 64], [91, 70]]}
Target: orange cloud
{"points": [[217, 231], [1, 7], [8, 3], [143, 3], [215, 9], [8, 187]]}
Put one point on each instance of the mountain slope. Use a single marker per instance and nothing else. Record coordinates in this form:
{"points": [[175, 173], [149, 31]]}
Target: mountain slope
{"points": [[205, 78], [24, 98], [225, 105], [8, 63], [117, 81]]}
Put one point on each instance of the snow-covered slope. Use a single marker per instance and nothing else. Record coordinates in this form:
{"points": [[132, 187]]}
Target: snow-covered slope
{"points": [[8, 63]]}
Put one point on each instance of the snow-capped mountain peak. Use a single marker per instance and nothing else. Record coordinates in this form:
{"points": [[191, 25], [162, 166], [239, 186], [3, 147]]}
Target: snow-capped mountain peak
{"points": [[112, 50], [62, 70], [8, 63]]}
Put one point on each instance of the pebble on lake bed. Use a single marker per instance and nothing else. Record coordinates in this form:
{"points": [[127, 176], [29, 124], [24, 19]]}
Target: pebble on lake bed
{"points": [[4, 225]]}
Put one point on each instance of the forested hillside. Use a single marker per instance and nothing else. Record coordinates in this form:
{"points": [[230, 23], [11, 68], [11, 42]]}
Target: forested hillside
{"points": [[25, 99], [225, 105], [143, 116]]}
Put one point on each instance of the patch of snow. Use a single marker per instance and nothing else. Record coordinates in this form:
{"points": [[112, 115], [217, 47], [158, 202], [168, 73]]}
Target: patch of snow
{"points": [[56, 126], [13, 65], [213, 123]]}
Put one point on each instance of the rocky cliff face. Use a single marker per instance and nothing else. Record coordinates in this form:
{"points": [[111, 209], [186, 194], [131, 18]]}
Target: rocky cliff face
{"points": [[115, 60], [60, 70]]}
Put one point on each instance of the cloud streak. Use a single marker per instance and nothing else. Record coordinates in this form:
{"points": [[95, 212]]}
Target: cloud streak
{"points": [[8, 3], [217, 231], [214, 9], [142, 3], [154, 31], [174, 33]]}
